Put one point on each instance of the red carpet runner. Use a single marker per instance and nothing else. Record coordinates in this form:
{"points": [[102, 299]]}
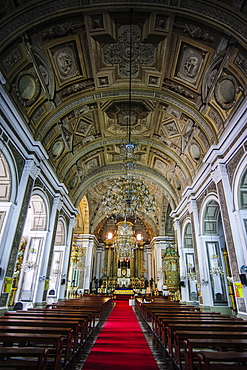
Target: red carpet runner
{"points": [[121, 343]]}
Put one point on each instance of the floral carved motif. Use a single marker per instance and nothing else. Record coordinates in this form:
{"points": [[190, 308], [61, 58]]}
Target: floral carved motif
{"points": [[121, 51]]}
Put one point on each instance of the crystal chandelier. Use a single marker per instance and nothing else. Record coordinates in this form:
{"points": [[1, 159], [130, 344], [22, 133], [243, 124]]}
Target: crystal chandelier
{"points": [[125, 246], [128, 196], [125, 243]]}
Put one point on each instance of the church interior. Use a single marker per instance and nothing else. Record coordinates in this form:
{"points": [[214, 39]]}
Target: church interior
{"points": [[123, 164]]}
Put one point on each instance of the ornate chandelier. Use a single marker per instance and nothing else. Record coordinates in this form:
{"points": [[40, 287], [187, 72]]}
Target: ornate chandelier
{"points": [[125, 246], [125, 243], [128, 196]]}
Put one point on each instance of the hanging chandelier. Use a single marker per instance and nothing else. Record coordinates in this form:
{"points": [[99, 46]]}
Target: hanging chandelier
{"points": [[124, 242], [125, 246], [129, 196]]}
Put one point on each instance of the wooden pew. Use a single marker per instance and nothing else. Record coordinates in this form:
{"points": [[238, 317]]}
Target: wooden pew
{"points": [[158, 316], [162, 305], [52, 341], [148, 309], [74, 324], [73, 320], [193, 346], [88, 315], [181, 335], [159, 320], [98, 304], [167, 325], [234, 359], [19, 357], [50, 314], [65, 332], [217, 326]]}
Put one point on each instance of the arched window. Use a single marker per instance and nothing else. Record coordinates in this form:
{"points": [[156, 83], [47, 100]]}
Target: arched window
{"points": [[188, 242], [210, 220]]}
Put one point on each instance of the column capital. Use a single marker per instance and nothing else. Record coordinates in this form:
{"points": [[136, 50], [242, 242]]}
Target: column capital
{"points": [[32, 168], [72, 222], [192, 205], [176, 224], [219, 173], [58, 203]]}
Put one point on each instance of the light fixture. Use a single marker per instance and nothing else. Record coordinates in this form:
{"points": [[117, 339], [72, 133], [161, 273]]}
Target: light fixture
{"points": [[109, 235], [125, 243], [57, 269], [191, 274], [216, 269], [139, 237], [77, 257], [128, 195]]}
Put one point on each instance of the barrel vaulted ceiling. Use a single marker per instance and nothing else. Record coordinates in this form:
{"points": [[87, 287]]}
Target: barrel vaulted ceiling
{"points": [[66, 65]]}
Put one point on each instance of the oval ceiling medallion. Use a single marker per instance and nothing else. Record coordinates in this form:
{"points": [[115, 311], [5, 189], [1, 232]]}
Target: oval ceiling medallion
{"points": [[225, 91], [57, 148], [195, 151], [27, 88]]}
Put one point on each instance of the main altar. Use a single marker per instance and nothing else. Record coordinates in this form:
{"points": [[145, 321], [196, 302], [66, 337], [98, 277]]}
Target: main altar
{"points": [[124, 261], [123, 293]]}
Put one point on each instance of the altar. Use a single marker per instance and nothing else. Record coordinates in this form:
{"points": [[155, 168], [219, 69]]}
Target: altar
{"points": [[123, 293]]}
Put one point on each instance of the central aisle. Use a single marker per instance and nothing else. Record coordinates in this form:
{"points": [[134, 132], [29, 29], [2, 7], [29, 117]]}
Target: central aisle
{"points": [[121, 343]]}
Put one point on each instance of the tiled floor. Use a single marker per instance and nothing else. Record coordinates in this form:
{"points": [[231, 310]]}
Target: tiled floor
{"points": [[162, 359]]}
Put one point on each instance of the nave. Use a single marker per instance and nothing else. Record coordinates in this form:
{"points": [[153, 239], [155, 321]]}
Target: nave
{"points": [[123, 152]]}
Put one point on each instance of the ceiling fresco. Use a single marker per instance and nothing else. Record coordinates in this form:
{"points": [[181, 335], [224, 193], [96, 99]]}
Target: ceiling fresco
{"points": [[67, 67]]}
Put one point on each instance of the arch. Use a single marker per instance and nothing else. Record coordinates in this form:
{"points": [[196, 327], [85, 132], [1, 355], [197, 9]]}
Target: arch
{"points": [[187, 235], [210, 218], [37, 214], [7, 187]]}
